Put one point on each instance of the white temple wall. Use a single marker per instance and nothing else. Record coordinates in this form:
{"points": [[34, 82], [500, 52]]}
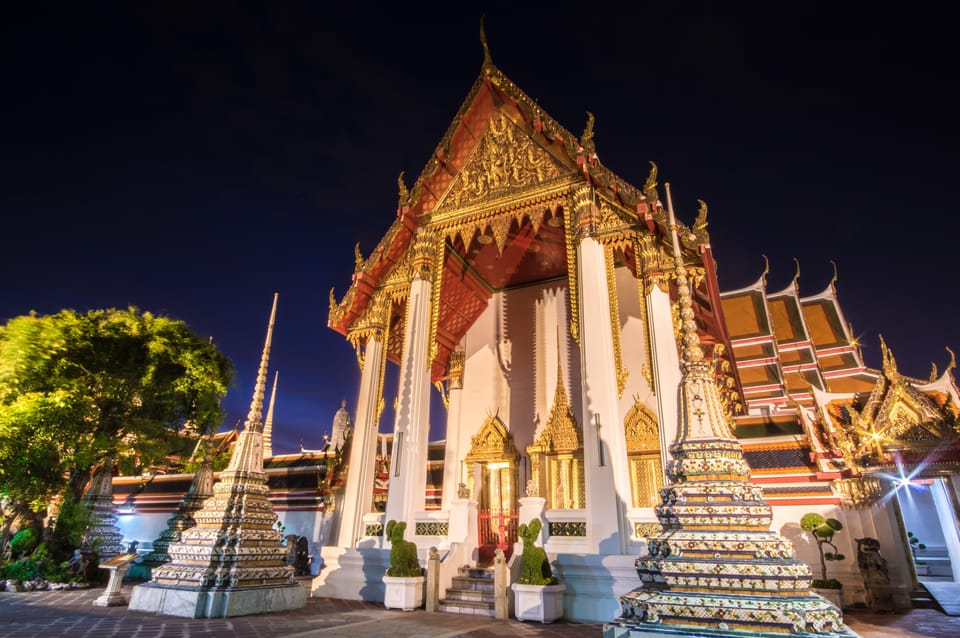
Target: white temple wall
{"points": [[511, 363], [143, 527], [633, 343]]}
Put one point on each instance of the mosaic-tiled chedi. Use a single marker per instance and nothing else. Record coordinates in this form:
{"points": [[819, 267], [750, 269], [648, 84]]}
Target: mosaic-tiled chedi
{"points": [[103, 533], [716, 567], [234, 549], [200, 490]]}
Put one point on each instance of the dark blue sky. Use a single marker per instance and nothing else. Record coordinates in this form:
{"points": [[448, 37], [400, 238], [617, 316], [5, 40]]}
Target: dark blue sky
{"points": [[193, 158]]}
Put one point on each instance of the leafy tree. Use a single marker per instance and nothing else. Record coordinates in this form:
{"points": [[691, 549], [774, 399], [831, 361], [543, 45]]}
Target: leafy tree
{"points": [[75, 387], [823, 529]]}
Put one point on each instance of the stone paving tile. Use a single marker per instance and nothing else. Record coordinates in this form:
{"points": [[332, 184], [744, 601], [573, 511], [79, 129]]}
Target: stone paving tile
{"points": [[71, 614]]}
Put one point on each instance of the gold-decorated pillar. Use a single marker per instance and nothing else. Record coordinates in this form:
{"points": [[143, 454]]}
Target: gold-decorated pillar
{"points": [[411, 432], [604, 445], [358, 494], [453, 473]]}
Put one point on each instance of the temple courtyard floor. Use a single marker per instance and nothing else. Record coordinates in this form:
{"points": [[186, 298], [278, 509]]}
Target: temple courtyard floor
{"points": [[71, 613]]}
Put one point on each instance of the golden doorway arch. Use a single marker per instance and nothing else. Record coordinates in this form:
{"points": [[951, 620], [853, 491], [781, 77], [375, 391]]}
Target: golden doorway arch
{"points": [[492, 467], [643, 453]]}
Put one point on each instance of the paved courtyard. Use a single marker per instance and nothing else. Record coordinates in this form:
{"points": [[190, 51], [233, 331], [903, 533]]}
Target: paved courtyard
{"points": [[72, 614]]}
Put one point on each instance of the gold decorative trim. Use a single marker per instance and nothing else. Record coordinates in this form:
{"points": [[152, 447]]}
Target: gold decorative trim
{"points": [[614, 303], [504, 160], [556, 457], [572, 265], [439, 254], [455, 367], [646, 530], [641, 266], [568, 528], [431, 529]]}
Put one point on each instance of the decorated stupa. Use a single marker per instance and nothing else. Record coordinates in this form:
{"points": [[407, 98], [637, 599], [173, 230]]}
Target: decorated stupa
{"points": [[716, 568], [232, 563]]}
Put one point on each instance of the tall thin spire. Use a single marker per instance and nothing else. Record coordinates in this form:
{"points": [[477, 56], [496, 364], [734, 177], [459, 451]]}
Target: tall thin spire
{"points": [[255, 416], [268, 422], [716, 564], [232, 562]]}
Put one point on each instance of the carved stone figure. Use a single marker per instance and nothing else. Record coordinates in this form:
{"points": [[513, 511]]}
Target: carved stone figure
{"points": [[876, 579]]}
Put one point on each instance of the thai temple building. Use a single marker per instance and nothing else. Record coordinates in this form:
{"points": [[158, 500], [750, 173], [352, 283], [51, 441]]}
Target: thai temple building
{"points": [[537, 293]]}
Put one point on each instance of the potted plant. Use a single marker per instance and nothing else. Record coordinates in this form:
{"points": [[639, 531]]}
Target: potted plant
{"points": [[536, 595], [404, 579], [822, 529], [915, 545]]}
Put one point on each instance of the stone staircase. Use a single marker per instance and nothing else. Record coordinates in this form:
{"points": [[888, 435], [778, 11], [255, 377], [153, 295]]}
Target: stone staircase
{"points": [[471, 592]]}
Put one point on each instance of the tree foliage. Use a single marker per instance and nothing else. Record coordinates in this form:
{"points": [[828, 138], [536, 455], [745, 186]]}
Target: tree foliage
{"points": [[823, 529], [77, 386]]}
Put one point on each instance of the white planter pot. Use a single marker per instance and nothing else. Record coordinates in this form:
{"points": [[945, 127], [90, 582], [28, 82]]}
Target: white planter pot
{"points": [[833, 595], [403, 592], [542, 603]]}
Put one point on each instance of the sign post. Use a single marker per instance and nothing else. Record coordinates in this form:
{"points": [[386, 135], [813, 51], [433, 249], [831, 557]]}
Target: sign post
{"points": [[117, 566]]}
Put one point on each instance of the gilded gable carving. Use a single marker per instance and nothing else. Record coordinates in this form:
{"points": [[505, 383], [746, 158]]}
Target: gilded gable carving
{"points": [[561, 434], [492, 442], [504, 160], [641, 430]]}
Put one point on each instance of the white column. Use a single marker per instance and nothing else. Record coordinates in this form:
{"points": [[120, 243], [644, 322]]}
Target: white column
{"points": [[408, 468], [948, 524], [358, 494], [665, 363], [604, 448], [452, 454]]}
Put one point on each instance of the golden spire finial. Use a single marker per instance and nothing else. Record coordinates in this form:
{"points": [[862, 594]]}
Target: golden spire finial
{"points": [[833, 281], [404, 191], [766, 270], [254, 417], [586, 140], [357, 257], [692, 353], [487, 60], [796, 276], [333, 299], [650, 186], [268, 422]]}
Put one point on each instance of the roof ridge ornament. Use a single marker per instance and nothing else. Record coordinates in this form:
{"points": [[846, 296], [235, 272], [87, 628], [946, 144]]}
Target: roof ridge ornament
{"points": [[889, 362], [766, 270], [650, 186], [796, 276], [487, 60], [700, 223], [833, 282], [586, 140], [404, 193]]}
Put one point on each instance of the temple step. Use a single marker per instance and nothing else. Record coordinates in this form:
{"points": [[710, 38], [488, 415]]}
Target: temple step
{"points": [[471, 593]]}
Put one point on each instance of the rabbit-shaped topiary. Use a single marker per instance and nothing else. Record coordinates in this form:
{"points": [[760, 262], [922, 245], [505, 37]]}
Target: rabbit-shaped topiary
{"points": [[403, 554], [534, 566]]}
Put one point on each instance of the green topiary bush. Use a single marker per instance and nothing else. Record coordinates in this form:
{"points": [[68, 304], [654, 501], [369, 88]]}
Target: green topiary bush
{"points": [[23, 542], [822, 529], [403, 554], [534, 566]]}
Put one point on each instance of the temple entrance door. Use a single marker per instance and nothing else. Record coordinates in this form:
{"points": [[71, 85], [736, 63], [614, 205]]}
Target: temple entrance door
{"points": [[497, 511], [493, 480]]}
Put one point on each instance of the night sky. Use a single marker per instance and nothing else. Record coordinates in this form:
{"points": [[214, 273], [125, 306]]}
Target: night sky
{"points": [[191, 159]]}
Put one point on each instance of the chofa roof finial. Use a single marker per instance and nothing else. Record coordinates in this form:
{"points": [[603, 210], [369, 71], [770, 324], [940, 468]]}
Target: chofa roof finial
{"points": [[586, 140], [487, 60], [766, 270], [833, 282]]}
